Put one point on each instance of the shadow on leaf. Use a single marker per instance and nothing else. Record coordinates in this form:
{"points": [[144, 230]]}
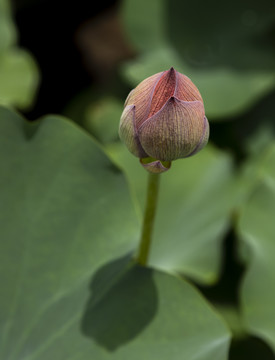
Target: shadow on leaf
{"points": [[123, 302]]}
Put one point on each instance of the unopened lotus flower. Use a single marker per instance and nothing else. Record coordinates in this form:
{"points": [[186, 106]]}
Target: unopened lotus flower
{"points": [[164, 120]]}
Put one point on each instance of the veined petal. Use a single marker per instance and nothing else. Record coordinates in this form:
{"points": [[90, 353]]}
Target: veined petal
{"points": [[141, 97], [128, 133], [204, 138], [164, 89], [185, 89], [128, 98], [175, 131]]}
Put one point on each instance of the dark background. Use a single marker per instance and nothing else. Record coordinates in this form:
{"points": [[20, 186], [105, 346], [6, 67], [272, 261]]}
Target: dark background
{"points": [[56, 33]]}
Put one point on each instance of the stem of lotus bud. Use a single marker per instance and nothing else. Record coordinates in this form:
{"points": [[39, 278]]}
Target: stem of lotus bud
{"points": [[149, 217]]}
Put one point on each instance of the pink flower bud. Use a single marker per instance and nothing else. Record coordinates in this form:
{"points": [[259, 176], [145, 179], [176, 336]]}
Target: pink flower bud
{"points": [[164, 120]]}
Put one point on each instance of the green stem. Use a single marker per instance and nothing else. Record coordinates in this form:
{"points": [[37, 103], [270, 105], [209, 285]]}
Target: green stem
{"points": [[148, 221]]}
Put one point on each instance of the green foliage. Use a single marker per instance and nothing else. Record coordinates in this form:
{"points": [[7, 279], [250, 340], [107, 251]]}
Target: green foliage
{"points": [[65, 214], [225, 91], [231, 65], [256, 229], [18, 71], [187, 213], [97, 119], [72, 200], [7, 29]]}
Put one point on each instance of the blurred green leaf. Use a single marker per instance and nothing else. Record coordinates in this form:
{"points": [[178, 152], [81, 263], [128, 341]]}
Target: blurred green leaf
{"points": [[237, 35], [133, 170], [18, 70], [197, 197], [233, 66], [65, 212], [257, 142], [233, 318], [225, 91], [144, 22], [102, 119], [19, 78], [256, 229], [7, 29]]}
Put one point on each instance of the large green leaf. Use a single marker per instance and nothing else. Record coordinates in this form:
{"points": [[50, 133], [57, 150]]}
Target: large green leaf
{"points": [[196, 200], [162, 316], [233, 66], [65, 216], [257, 229], [64, 211]]}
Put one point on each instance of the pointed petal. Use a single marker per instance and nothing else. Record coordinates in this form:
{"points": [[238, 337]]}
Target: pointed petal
{"points": [[185, 89], [175, 131], [127, 132], [164, 89], [141, 97]]}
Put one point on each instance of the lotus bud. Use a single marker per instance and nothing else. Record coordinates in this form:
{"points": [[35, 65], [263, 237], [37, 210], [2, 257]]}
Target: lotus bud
{"points": [[164, 120]]}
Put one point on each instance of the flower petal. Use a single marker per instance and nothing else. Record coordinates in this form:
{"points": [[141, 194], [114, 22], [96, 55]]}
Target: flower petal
{"points": [[128, 133], [141, 97], [164, 89], [204, 138], [185, 89], [175, 131]]}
